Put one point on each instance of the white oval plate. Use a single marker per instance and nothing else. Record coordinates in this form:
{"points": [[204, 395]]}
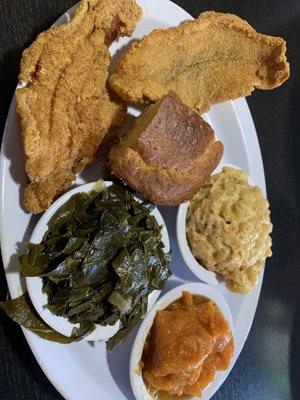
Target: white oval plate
{"points": [[80, 371], [138, 385], [35, 284]]}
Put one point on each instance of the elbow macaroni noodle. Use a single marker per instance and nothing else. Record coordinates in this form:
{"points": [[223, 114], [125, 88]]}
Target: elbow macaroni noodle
{"points": [[228, 229]]}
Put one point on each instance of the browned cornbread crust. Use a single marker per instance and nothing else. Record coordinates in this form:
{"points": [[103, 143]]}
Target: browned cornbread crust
{"points": [[171, 153]]}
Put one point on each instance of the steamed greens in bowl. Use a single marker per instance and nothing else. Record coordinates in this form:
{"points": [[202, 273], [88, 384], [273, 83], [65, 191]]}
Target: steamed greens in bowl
{"points": [[100, 259]]}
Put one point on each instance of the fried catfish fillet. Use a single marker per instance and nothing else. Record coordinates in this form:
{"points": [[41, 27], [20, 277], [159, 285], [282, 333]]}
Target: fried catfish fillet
{"points": [[214, 58], [66, 111]]}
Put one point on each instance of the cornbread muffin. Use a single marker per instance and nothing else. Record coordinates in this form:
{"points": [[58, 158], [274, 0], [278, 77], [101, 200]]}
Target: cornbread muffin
{"points": [[228, 229], [168, 153]]}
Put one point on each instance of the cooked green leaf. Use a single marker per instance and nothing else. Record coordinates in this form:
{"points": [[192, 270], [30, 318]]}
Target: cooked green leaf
{"points": [[35, 260], [22, 312], [100, 259], [128, 323]]}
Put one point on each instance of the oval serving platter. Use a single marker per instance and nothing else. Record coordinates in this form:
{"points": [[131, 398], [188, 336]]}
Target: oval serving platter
{"points": [[85, 370]]}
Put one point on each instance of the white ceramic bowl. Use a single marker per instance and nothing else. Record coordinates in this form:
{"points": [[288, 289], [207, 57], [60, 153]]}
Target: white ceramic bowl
{"points": [[193, 264], [138, 385], [34, 284]]}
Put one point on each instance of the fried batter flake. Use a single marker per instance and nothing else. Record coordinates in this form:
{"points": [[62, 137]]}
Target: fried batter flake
{"points": [[214, 58], [66, 110]]}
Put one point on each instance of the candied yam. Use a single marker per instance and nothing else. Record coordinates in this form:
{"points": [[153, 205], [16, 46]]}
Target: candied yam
{"points": [[212, 319], [187, 301], [165, 383], [188, 343], [177, 342], [222, 358]]}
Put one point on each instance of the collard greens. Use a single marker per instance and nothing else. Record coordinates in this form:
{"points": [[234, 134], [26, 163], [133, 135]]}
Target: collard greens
{"points": [[22, 312], [100, 259]]}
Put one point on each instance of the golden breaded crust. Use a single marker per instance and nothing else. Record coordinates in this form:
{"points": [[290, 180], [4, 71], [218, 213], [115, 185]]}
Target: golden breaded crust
{"points": [[215, 58], [66, 109], [168, 153]]}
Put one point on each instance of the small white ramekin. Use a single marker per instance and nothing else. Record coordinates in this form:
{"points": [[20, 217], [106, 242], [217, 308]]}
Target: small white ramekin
{"points": [[137, 383], [192, 263]]}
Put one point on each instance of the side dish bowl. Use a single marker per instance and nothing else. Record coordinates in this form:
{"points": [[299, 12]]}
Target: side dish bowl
{"points": [[35, 284], [138, 385], [192, 263]]}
